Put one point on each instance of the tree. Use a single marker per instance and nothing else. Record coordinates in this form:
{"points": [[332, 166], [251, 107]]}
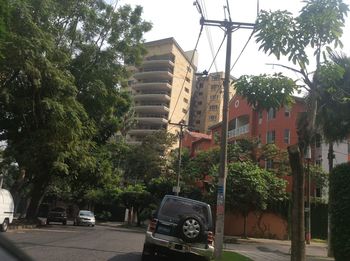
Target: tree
{"points": [[250, 188], [318, 25], [333, 120], [148, 160], [60, 56]]}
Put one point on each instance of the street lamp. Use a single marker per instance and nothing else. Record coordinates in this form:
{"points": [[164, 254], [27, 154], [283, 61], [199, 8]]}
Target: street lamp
{"points": [[307, 157]]}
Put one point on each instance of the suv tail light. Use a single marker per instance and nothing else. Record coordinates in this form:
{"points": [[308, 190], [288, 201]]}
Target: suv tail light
{"points": [[152, 225], [210, 238]]}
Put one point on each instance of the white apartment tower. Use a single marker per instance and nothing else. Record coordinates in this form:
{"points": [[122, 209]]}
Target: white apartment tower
{"points": [[161, 88]]}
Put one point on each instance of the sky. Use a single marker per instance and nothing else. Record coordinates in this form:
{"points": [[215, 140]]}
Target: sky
{"points": [[180, 19]]}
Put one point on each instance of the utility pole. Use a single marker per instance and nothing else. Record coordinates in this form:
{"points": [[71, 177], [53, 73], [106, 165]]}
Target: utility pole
{"points": [[308, 205], [228, 26], [176, 189]]}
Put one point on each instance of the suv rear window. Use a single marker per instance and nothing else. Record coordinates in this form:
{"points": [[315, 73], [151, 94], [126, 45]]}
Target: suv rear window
{"points": [[174, 209]]}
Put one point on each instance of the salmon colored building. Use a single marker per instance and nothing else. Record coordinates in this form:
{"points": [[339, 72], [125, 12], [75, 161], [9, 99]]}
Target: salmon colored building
{"points": [[272, 126]]}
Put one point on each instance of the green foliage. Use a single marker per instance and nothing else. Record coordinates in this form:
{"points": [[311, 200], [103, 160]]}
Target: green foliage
{"points": [[319, 23], [250, 188], [59, 97], [333, 116], [264, 92], [148, 160], [340, 211]]}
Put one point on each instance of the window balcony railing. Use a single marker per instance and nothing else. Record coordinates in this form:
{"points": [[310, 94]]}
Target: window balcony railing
{"points": [[238, 131]]}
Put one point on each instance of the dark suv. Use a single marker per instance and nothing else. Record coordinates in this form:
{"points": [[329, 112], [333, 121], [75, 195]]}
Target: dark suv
{"points": [[181, 226], [57, 215]]}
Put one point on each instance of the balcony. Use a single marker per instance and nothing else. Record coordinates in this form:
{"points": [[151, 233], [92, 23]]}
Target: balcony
{"points": [[163, 74], [142, 129], [152, 96], [159, 86], [152, 108], [238, 131], [152, 118], [157, 63]]}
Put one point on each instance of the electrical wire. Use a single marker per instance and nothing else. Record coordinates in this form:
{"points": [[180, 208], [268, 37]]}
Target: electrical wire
{"points": [[208, 31], [184, 80], [240, 54], [228, 10], [188, 106]]}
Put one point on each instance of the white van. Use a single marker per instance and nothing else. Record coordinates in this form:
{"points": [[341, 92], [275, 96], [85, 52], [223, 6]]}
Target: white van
{"points": [[6, 209]]}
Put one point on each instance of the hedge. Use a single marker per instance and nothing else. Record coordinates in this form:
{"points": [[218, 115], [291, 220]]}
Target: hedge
{"points": [[340, 211]]}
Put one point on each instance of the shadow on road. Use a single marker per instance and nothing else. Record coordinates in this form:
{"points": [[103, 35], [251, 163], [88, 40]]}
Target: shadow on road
{"points": [[137, 257], [266, 249]]}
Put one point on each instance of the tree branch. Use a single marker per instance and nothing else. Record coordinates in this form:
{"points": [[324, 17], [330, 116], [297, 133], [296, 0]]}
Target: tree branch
{"points": [[286, 67]]}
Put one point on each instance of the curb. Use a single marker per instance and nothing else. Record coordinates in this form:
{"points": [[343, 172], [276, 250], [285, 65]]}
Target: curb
{"points": [[17, 227]]}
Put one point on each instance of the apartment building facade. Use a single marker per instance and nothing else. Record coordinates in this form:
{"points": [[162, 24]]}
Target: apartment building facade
{"points": [[207, 102], [161, 88]]}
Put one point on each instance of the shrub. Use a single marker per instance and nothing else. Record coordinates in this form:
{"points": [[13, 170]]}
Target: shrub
{"points": [[340, 211]]}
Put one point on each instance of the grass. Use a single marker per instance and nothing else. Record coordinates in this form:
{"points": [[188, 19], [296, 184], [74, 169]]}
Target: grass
{"points": [[232, 256]]}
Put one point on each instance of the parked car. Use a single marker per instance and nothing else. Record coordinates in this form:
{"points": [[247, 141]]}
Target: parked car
{"points": [[85, 217], [6, 209], [57, 215], [181, 226]]}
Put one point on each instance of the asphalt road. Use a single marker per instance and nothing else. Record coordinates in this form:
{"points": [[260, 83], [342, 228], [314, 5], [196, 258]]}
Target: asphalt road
{"points": [[70, 243]]}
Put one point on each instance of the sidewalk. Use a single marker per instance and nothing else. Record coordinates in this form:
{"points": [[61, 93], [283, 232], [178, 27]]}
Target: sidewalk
{"points": [[275, 250]]}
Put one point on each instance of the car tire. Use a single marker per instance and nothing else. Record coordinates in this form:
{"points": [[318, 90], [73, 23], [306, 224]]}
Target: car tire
{"points": [[190, 229], [147, 253], [47, 222], [64, 222], [4, 226]]}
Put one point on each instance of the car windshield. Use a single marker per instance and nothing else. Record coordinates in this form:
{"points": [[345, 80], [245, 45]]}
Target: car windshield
{"points": [[174, 209], [86, 213]]}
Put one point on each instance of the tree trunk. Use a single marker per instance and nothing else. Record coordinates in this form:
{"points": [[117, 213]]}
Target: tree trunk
{"points": [[37, 196], [245, 225], [298, 228], [330, 252]]}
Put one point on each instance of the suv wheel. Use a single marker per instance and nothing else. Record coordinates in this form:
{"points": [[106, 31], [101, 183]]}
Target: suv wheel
{"points": [[4, 226], [191, 229]]}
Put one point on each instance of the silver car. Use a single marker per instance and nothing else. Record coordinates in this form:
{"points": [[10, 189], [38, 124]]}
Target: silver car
{"points": [[85, 217]]}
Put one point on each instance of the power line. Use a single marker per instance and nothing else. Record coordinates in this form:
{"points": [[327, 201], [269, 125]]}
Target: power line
{"points": [[184, 80], [240, 54]]}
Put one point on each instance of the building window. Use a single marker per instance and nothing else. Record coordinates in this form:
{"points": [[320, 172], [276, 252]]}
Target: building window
{"points": [[201, 85], [187, 90], [271, 114], [213, 108], [213, 97], [198, 121], [270, 137], [214, 87], [185, 100], [187, 79], [189, 69], [199, 112], [287, 111], [200, 94], [199, 103], [269, 164], [286, 136], [184, 110], [212, 117], [215, 77]]}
